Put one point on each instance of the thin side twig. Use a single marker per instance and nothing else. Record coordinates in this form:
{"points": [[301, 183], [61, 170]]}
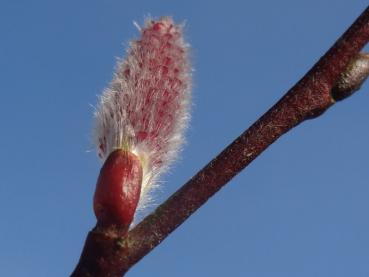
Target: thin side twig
{"points": [[108, 254]]}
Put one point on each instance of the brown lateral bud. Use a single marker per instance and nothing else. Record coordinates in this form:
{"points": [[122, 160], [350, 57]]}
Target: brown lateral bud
{"points": [[118, 190], [352, 78]]}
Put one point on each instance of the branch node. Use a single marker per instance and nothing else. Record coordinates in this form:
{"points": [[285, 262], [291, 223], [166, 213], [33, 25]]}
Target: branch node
{"points": [[352, 78]]}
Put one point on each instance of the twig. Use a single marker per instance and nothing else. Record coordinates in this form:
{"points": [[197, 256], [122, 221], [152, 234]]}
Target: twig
{"points": [[108, 254]]}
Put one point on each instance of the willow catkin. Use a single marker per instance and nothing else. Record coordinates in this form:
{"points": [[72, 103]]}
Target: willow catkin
{"points": [[145, 110]]}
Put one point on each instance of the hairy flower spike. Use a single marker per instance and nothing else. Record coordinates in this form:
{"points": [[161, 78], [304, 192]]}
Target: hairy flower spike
{"points": [[145, 109]]}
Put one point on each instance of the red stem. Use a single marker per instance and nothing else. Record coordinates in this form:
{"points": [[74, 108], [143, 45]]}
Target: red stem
{"points": [[309, 98]]}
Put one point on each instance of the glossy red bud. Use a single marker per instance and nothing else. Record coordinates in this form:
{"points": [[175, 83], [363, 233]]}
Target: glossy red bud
{"points": [[118, 190]]}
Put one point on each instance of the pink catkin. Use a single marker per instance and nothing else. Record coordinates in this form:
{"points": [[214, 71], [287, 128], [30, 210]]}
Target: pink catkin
{"points": [[145, 109]]}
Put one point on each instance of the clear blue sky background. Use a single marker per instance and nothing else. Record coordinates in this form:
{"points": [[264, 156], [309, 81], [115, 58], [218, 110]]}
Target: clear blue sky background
{"points": [[301, 209]]}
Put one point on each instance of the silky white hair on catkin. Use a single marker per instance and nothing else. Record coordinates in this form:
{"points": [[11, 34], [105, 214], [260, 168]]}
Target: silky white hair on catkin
{"points": [[145, 109]]}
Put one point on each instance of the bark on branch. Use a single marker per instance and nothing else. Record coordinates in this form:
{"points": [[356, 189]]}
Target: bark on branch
{"points": [[106, 253]]}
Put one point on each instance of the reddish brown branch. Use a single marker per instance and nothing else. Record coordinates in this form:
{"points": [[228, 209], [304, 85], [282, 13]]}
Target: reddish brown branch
{"points": [[107, 254]]}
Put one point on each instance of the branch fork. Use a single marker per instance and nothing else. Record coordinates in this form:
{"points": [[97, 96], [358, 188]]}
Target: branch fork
{"points": [[339, 73]]}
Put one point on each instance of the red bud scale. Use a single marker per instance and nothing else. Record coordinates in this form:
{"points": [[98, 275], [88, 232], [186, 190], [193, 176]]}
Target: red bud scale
{"points": [[118, 189]]}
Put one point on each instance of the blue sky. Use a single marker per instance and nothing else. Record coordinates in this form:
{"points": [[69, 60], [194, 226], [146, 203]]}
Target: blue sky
{"points": [[301, 209]]}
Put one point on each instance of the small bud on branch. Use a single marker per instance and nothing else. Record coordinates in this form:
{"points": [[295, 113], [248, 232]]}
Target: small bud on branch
{"points": [[352, 78]]}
